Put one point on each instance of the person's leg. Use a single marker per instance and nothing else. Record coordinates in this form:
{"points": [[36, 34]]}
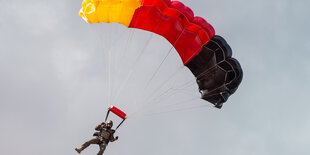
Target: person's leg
{"points": [[102, 148], [86, 144]]}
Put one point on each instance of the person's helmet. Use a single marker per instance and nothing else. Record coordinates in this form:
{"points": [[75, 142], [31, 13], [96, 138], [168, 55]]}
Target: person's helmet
{"points": [[110, 123]]}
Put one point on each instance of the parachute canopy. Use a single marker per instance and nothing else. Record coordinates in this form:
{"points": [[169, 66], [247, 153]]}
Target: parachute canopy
{"points": [[207, 55]]}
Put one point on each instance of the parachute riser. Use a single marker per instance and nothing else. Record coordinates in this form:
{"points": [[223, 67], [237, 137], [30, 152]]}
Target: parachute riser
{"points": [[106, 117], [120, 124]]}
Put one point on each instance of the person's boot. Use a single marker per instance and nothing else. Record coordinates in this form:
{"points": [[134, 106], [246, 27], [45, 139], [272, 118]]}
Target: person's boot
{"points": [[79, 150]]}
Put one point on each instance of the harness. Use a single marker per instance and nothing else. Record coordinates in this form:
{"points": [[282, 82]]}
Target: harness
{"points": [[103, 140]]}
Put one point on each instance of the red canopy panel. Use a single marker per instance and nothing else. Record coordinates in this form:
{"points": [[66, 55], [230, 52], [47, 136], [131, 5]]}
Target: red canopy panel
{"points": [[177, 23], [118, 112]]}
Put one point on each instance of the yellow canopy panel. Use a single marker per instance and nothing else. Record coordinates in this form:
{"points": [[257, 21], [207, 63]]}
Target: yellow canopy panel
{"points": [[109, 11]]}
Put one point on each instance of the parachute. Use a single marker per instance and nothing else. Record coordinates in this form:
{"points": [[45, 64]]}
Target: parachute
{"points": [[207, 55]]}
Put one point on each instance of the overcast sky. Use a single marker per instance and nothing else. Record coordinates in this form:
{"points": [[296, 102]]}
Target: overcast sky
{"points": [[54, 83]]}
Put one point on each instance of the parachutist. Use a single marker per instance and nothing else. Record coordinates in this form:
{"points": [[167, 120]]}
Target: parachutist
{"points": [[102, 138]]}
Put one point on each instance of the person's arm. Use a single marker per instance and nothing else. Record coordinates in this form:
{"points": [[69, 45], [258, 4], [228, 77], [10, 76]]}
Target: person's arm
{"points": [[98, 127], [112, 138]]}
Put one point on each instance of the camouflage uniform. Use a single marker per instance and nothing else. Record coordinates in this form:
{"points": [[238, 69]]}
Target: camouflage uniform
{"points": [[103, 137]]}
